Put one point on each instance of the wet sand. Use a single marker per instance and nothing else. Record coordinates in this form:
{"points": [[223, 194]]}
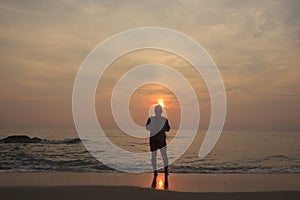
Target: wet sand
{"points": [[136, 186]]}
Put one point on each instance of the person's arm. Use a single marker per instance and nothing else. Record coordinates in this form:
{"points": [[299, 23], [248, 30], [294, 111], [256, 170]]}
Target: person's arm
{"points": [[167, 126], [148, 125]]}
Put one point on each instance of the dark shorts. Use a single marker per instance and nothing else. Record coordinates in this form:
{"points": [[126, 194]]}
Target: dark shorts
{"points": [[155, 145]]}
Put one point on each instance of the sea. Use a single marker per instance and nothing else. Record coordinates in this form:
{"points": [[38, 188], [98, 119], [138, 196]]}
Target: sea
{"points": [[61, 150]]}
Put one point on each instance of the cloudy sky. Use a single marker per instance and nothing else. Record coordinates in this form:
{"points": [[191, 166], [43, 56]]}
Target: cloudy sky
{"points": [[255, 44]]}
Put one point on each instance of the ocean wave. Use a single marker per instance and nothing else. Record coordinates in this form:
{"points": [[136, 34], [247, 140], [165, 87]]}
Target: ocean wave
{"points": [[277, 157], [69, 155], [273, 158], [236, 169], [27, 139]]}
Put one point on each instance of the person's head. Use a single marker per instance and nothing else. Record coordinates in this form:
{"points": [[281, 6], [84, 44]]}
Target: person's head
{"points": [[158, 110]]}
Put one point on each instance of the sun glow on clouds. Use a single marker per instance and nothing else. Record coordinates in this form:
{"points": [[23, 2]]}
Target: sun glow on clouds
{"points": [[161, 103], [260, 75]]}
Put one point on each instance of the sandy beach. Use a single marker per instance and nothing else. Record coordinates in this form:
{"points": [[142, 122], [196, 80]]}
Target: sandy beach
{"points": [[136, 186]]}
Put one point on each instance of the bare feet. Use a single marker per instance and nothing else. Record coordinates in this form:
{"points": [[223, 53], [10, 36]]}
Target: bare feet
{"points": [[153, 185], [166, 185]]}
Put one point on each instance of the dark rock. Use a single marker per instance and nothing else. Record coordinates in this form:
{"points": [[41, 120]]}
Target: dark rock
{"points": [[72, 141], [21, 139]]}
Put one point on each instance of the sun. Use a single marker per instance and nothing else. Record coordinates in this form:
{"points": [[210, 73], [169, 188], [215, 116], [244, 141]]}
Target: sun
{"points": [[161, 103]]}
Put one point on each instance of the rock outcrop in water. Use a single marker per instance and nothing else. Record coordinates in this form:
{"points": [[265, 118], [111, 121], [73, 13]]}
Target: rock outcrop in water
{"points": [[21, 139], [72, 141], [27, 139]]}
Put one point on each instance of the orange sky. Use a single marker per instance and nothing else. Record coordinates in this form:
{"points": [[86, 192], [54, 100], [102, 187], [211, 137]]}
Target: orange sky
{"points": [[255, 44]]}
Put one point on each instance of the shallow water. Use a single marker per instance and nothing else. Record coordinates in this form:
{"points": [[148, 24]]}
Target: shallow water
{"points": [[235, 152]]}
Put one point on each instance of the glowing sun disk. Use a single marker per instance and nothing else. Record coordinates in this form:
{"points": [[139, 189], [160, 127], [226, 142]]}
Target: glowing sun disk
{"points": [[161, 102]]}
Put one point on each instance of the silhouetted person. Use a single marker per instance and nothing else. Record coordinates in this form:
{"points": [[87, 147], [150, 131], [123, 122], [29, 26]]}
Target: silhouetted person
{"points": [[158, 126]]}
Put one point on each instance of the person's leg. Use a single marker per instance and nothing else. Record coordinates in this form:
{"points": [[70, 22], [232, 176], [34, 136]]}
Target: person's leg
{"points": [[154, 166], [164, 155], [153, 160]]}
